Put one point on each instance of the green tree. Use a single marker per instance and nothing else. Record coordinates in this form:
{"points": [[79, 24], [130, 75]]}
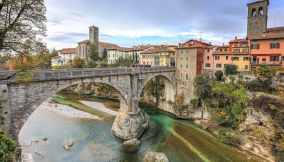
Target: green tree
{"points": [[94, 56], [228, 103], [231, 69], [123, 62], [265, 72], [22, 21], [219, 75], [7, 148], [156, 88], [203, 88]]}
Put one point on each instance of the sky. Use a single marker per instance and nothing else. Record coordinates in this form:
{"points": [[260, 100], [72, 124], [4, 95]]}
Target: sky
{"points": [[134, 22]]}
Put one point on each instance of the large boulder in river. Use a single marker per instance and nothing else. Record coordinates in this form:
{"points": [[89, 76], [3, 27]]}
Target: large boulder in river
{"points": [[127, 126], [131, 145], [155, 157]]}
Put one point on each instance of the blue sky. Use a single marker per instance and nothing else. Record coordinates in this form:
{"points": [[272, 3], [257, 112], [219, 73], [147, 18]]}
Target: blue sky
{"points": [[132, 22]]}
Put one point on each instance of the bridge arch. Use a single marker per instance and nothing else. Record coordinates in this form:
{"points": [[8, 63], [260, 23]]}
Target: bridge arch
{"points": [[38, 92], [168, 99], [169, 80]]}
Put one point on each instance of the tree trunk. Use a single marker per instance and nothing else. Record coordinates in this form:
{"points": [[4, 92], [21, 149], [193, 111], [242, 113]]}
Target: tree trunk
{"points": [[202, 110]]}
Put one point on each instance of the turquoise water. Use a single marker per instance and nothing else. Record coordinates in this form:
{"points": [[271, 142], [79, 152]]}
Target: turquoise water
{"points": [[180, 140]]}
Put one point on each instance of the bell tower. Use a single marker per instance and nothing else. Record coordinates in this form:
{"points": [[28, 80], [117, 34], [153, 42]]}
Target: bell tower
{"points": [[257, 17]]}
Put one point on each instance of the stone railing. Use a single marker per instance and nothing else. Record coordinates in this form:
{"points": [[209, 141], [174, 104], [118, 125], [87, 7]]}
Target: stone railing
{"points": [[66, 74]]}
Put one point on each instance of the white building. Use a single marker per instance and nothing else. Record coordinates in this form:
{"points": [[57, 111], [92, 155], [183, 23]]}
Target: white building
{"points": [[134, 53], [65, 56]]}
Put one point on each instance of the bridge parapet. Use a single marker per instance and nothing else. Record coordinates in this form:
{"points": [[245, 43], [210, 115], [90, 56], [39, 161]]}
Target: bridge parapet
{"points": [[67, 74]]}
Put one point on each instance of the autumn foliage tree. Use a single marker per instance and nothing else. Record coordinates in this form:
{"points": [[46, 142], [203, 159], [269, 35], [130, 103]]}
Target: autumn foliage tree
{"points": [[22, 22]]}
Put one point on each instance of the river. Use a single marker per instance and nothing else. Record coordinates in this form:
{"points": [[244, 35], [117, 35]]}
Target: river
{"points": [[46, 132]]}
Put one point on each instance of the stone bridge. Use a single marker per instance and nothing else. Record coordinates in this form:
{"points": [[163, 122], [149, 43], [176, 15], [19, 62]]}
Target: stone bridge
{"points": [[20, 98]]}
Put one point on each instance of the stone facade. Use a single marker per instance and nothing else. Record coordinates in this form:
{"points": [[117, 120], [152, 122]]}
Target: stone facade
{"points": [[257, 17], [22, 98], [189, 64]]}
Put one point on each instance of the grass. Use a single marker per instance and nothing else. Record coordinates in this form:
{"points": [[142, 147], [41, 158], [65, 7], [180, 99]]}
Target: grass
{"points": [[78, 105]]}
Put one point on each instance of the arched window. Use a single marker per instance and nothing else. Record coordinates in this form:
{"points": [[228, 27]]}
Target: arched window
{"points": [[260, 11], [253, 12]]}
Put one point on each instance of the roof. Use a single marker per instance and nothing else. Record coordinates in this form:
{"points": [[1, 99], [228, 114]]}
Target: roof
{"points": [[272, 33], [68, 51], [84, 41], [106, 45], [236, 40], [158, 49], [194, 44], [258, 1]]}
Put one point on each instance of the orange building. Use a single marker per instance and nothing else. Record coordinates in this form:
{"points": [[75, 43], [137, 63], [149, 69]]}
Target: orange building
{"points": [[266, 44], [236, 53]]}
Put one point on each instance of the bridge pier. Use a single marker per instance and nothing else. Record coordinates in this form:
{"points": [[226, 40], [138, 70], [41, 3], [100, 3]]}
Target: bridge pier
{"points": [[131, 122]]}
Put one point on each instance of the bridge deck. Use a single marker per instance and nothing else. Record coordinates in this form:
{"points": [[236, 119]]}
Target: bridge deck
{"points": [[66, 74]]}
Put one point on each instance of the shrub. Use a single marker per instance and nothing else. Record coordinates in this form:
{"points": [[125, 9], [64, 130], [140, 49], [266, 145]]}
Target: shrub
{"points": [[7, 148], [219, 75], [260, 85], [229, 137], [231, 70]]}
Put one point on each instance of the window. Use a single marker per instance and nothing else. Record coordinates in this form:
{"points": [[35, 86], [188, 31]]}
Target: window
{"points": [[254, 45], [208, 65], [186, 76], [246, 67], [263, 59], [208, 58], [253, 12], [282, 58], [274, 45], [218, 65], [274, 58], [227, 57], [235, 58], [260, 11], [217, 57], [246, 59]]}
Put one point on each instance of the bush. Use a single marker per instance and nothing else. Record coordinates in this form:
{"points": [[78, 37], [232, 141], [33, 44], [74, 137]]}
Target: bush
{"points": [[7, 148], [219, 75], [260, 85], [77, 62], [229, 137], [231, 70]]}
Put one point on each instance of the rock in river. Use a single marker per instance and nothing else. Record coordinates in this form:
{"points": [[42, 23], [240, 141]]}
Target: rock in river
{"points": [[131, 145], [127, 126], [155, 157]]}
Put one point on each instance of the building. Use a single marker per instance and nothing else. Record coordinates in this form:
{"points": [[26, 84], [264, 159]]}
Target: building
{"points": [[134, 53], [64, 56], [266, 44], [236, 53], [163, 55], [83, 49], [190, 63]]}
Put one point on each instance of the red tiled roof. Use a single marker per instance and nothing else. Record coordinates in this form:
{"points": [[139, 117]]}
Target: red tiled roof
{"points": [[194, 44], [68, 51], [161, 48], [272, 33], [106, 45]]}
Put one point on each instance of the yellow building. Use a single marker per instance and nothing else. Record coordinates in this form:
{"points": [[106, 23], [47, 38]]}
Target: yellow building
{"points": [[163, 55]]}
